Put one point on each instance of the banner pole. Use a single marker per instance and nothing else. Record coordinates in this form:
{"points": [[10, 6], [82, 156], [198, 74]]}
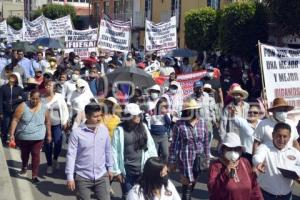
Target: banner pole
{"points": [[264, 95]]}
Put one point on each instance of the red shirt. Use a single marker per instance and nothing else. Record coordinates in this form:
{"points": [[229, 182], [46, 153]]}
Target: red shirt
{"points": [[221, 187]]}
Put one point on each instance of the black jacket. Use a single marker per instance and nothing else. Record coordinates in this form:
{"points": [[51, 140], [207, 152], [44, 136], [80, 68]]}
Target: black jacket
{"points": [[10, 98]]}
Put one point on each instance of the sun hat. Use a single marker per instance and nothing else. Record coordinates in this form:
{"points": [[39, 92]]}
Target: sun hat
{"points": [[38, 69], [175, 83], [52, 59], [32, 81], [155, 87], [198, 84], [207, 87], [132, 109], [112, 99], [190, 104], [280, 103], [232, 140], [237, 89], [80, 83]]}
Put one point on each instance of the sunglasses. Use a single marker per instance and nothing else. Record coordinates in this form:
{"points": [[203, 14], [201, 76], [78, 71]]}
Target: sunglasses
{"points": [[253, 112]]}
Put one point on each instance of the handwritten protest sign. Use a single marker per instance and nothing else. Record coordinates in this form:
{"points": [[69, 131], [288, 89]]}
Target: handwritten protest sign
{"points": [[14, 35], [114, 36], [81, 42], [161, 36], [57, 28], [281, 70], [34, 29], [3, 29]]}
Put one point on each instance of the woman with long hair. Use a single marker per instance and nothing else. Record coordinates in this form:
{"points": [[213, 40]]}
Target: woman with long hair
{"points": [[59, 115], [154, 183], [132, 145], [160, 123], [110, 118]]}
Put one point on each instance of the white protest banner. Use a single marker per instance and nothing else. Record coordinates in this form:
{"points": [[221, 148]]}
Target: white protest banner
{"points": [[35, 29], [57, 28], [114, 36], [3, 29], [281, 71], [14, 35], [81, 42], [161, 36]]}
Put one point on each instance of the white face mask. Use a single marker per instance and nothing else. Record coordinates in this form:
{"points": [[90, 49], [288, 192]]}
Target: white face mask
{"points": [[80, 90], [76, 61], [154, 96], [75, 77], [232, 155], [280, 116], [172, 91], [129, 56]]}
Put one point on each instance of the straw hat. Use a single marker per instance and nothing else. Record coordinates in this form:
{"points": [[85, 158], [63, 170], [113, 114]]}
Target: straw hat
{"points": [[32, 81], [232, 140], [52, 59], [207, 87], [190, 104], [280, 103], [237, 89]]}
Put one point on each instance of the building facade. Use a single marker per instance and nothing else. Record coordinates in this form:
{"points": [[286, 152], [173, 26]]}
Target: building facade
{"points": [[154, 10], [11, 8], [82, 7]]}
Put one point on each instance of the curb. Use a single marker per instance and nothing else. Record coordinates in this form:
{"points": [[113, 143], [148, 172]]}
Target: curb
{"points": [[6, 190]]}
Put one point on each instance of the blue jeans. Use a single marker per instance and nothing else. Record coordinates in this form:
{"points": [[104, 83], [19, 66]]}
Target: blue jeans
{"points": [[5, 125], [130, 181], [268, 196], [56, 142]]}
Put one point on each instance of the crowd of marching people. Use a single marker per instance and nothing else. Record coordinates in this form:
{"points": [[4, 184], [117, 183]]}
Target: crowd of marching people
{"points": [[138, 136]]}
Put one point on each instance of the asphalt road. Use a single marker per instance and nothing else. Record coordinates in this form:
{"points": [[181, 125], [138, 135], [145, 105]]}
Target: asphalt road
{"points": [[53, 186]]}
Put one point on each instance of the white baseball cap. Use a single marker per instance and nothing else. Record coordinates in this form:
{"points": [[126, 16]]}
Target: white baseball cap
{"points": [[132, 109], [232, 140]]}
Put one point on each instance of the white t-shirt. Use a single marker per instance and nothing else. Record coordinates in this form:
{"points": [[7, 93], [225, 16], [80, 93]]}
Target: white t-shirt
{"points": [[272, 181], [170, 194], [263, 132]]}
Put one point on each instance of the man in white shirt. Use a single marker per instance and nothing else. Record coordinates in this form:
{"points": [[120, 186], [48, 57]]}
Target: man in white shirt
{"points": [[269, 157], [263, 132], [26, 64]]}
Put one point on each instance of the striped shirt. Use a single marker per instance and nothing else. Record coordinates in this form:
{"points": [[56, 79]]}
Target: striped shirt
{"points": [[187, 142]]}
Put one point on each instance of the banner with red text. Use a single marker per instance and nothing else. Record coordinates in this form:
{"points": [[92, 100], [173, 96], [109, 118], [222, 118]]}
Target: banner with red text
{"points": [[281, 73], [186, 81]]}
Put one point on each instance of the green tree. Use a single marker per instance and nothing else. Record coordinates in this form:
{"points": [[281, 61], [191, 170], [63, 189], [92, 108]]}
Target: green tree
{"points": [[241, 26], [15, 22], [285, 15], [55, 11], [201, 30]]}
